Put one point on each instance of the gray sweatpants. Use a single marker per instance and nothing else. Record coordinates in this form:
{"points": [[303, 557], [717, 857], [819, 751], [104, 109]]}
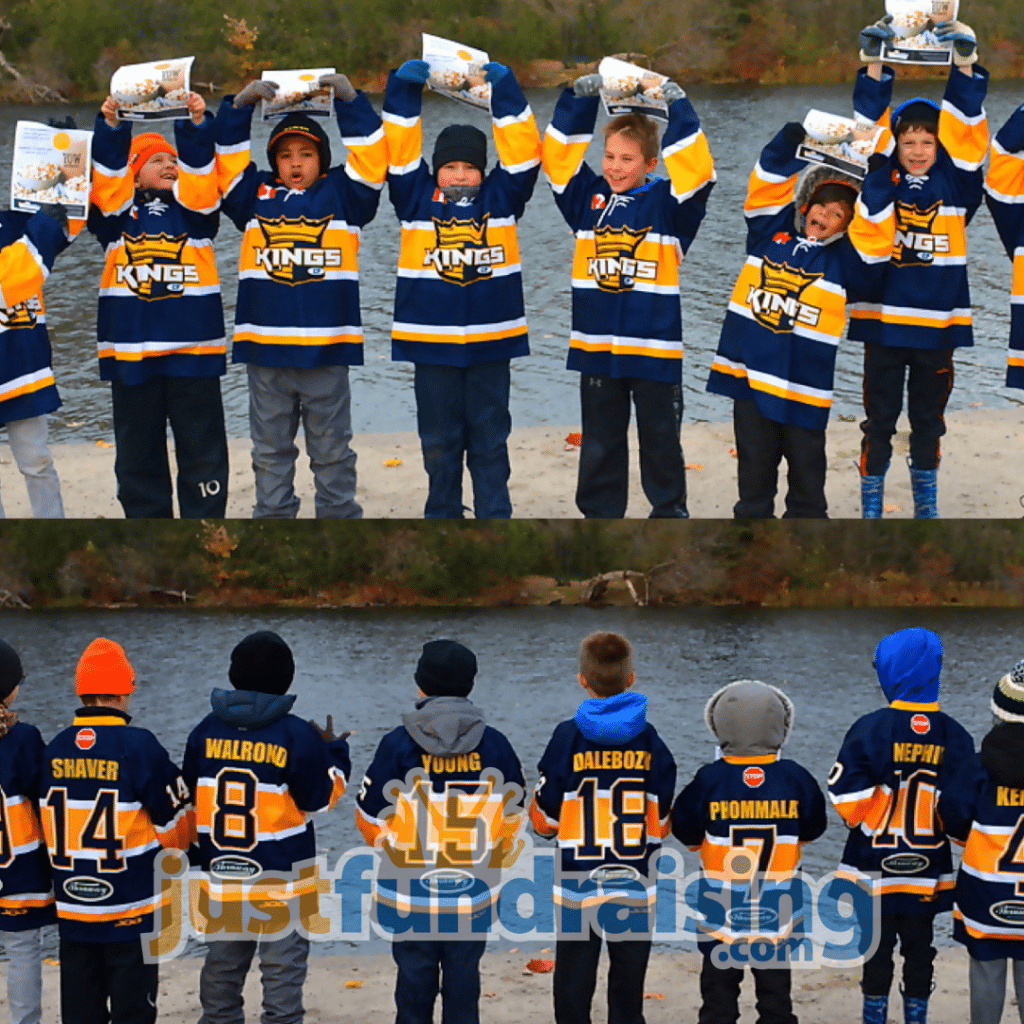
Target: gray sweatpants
{"points": [[283, 970], [988, 989], [28, 445], [278, 398], [24, 975]]}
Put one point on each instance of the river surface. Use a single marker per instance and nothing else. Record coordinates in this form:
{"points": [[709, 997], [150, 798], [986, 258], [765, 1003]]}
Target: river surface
{"points": [[738, 121], [359, 667]]}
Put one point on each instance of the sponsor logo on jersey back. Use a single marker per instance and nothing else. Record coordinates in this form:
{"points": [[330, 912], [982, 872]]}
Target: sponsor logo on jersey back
{"points": [[920, 724], [85, 739], [753, 776]]}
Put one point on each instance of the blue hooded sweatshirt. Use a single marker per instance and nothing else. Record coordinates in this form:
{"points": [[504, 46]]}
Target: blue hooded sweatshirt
{"points": [[612, 719], [908, 664]]}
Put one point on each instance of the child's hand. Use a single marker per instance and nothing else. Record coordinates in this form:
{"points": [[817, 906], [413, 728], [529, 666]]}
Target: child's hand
{"points": [[340, 84], [414, 71], [587, 85], [494, 72], [257, 90], [671, 91], [196, 107], [794, 133], [872, 37], [109, 111]]}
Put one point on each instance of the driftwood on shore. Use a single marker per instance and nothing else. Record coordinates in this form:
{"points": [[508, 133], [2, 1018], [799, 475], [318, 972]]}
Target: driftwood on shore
{"points": [[34, 92]]}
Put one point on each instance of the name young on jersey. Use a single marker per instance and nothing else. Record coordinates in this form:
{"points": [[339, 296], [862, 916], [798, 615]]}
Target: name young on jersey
{"points": [[462, 254], [776, 299], [154, 269], [295, 253]]}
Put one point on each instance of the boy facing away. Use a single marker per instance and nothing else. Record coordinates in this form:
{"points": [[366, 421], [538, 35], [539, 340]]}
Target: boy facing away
{"points": [[632, 232], [442, 749], [459, 315], [254, 810], [160, 329], [981, 810], [751, 722], [26, 891], [297, 320], [916, 230], [110, 800], [29, 244], [611, 816], [892, 768]]}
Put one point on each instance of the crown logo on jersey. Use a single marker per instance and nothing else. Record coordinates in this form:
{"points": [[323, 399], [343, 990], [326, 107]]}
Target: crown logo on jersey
{"points": [[462, 254], [21, 315], [916, 241], [285, 233], [910, 218], [777, 302], [295, 251], [151, 248], [614, 265], [155, 269], [454, 233]]}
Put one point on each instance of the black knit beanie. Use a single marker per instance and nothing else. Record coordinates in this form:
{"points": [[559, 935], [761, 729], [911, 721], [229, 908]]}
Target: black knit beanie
{"points": [[300, 124], [262, 662], [11, 673], [460, 142], [446, 669]]}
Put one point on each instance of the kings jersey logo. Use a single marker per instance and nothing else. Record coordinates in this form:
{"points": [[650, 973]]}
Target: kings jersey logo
{"points": [[614, 266], [916, 243], [776, 300], [24, 314], [295, 251], [462, 254], [154, 269]]}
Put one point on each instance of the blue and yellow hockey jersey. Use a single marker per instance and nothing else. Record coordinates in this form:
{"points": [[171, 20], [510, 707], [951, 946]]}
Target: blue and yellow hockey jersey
{"points": [[29, 243], [110, 800], [605, 792], [26, 891], [160, 308], [459, 296], [788, 307], [626, 318], [915, 226], [1004, 193], [257, 774], [298, 271]]}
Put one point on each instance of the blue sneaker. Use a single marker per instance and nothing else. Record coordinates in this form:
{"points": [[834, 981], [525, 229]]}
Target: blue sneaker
{"points": [[924, 482], [876, 1008], [915, 1011], [871, 488]]}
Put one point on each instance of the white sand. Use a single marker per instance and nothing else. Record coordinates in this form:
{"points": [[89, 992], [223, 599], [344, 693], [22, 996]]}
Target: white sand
{"points": [[978, 478]]}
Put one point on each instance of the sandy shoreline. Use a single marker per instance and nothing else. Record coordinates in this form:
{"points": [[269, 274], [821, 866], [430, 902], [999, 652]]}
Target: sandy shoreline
{"points": [[977, 478], [820, 996]]}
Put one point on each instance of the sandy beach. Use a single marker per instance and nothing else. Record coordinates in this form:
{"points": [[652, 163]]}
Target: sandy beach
{"points": [[977, 478], [513, 995]]}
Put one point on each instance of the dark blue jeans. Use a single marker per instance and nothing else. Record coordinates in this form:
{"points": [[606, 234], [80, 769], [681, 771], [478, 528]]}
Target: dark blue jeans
{"points": [[602, 487], [104, 982], [192, 406], [426, 968], [464, 410]]}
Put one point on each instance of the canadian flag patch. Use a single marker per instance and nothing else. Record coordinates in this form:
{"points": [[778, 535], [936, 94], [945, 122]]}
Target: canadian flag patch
{"points": [[597, 202], [85, 739], [753, 776]]}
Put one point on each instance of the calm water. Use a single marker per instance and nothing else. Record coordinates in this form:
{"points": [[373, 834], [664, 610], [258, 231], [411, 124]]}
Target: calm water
{"points": [[738, 122], [359, 667]]}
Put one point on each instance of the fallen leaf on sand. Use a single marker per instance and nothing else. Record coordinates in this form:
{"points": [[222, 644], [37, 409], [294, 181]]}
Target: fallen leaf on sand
{"points": [[540, 966], [51, 961], [354, 983], [694, 465], [104, 444], [573, 440], [392, 462], [490, 995], [977, 403], [654, 995], [893, 508], [732, 452]]}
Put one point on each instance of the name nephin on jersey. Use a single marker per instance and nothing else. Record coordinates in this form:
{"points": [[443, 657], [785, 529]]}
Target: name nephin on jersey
{"points": [[909, 753], [246, 750], [598, 760], [731, 810], [84, 768]]}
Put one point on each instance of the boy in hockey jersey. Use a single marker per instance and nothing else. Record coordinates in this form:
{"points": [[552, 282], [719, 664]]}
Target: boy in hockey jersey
{"points": [[632, 231], [981, 810], [751, 722], [160, 332], [777, 351], [26, 892], [571, 804], [258, 773], [297, 321], [892, 767], [110, 798], [29, 244], [916, 230], [1004, 194], [442, 748], [459, 315]]}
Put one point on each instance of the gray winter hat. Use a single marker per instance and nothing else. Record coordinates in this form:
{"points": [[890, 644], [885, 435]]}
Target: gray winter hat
{"points": [[749, 718]]}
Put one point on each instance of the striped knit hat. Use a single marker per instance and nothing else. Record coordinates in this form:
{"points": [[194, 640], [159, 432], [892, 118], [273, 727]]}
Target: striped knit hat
{"points": [[1008, 696]]}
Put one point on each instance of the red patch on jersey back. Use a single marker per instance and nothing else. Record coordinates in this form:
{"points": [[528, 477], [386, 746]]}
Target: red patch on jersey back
{"points": [[753, 776], [597, 202], [782, 237], [920, 724], [85, 739]]}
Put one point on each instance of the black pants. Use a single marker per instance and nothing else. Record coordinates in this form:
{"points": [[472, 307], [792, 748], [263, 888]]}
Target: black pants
{"points": [[929, 380], [193, 407], [426, 968], [914, 932], [720, 994], [761, 444], [576, 979], [602, 487], [106, 983]]}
